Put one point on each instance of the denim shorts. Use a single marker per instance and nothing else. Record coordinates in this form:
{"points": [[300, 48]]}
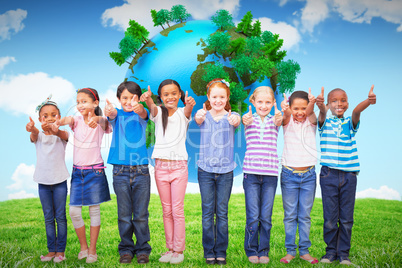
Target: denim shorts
{"points": [[89, 187]]}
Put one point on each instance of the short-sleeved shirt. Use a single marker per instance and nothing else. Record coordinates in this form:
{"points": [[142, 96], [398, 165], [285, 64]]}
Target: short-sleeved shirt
{"points": [[171, 145], [87, 142], [217, 145], [338, 144], [300, 146], [50, 166], [261, 147], [128, 145]]}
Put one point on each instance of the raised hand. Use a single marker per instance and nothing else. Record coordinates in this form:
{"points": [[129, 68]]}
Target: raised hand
{"points": [[248, 117], [189, 100], [91, 121], [54, 128], [284, 103], [233, 119], [371, 96], [311, 97], [147, 94], [201, 113], [31, 125], [278, 115], [45, 126], [136, 106], [320, 100], [108, 108]]}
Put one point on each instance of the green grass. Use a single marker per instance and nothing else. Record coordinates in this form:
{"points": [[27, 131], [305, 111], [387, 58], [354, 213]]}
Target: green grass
{"points": [[376, 238]]}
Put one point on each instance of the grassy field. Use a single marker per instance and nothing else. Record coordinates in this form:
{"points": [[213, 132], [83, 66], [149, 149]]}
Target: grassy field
{"points": [[376, 238]]}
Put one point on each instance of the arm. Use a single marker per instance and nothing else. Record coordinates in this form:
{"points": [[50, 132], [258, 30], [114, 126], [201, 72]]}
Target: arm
{"points": [[30, 127], [323, 109], [146, 97], [286, 110], [68, 120], [310, 108], [278, 118], [54, 129], [94, 121], [190, 103], [372, 99], [200, 115]]}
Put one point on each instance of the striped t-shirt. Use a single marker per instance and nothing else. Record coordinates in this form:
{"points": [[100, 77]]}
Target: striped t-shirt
{"points": [[261, 150], [338, 144]]}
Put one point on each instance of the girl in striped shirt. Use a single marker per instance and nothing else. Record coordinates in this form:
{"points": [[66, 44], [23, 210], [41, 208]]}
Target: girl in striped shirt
{"points": [[260, 168]]}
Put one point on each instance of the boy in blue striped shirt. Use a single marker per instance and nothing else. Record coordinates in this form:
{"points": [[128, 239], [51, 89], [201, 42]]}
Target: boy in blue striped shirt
{"points": [[340, 165]]}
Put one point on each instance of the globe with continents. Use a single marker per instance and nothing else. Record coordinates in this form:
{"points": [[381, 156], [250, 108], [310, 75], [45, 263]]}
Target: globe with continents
{"points": [[176, 55]]}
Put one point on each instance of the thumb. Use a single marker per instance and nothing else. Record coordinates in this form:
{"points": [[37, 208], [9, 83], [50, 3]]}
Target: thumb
{"points": [[322, 91], [204, 107], [57, 117], [371, 90], [30, 119], [186, 94], [89, 115], [108, 102], [250, 110], [309, 90], [149, 89], [284, 97], [276, 108], [230, 113], [135, 98]]}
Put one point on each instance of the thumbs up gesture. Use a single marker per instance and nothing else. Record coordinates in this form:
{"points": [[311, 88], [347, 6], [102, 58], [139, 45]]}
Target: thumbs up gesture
{"points": [[284, 103], [92, 121], [45, 125], [31, 125], [137, 108], [108, 108], [320, 100], [311, 97], [248, 117], [233, 119], [147, 94], [201, 113], [371, 96], [278, 116], [189, 101], [54, 128]]}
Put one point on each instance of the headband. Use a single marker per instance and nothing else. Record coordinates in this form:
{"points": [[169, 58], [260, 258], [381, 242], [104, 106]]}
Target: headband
{"points": [[88, 90], [220, 81], [46, 102]]}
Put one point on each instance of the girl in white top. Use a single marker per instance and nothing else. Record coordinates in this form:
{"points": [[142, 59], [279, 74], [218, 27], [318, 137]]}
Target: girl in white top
{"points": [[51, 175], [171, 172]]}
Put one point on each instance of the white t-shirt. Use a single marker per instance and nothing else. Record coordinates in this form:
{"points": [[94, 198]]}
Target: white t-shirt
{"points": [[172, 144], [50, 160]]}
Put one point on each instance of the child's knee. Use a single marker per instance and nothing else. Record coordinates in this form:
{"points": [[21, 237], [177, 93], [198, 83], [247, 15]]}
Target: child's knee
{"points": [[94, 213], [76, 217]]}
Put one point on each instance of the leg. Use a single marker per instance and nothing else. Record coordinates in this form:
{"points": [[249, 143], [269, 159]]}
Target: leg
{"points": [[46, 199], [79, 226], [59, 199], [207, 185], [94, 213], [252, 189]]}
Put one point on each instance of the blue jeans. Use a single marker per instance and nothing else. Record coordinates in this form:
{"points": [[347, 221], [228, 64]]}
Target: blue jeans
{"points": [[53, 200], [298, 192], [259, 191], [215, 194], [132, 186], [338, 190]]}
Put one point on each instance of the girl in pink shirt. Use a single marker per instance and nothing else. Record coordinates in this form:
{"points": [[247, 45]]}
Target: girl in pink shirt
{"points": [[89, 186]]}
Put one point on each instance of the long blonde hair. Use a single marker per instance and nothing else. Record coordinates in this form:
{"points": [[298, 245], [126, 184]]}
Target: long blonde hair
{"points": [[265, 89], [222, 84]]}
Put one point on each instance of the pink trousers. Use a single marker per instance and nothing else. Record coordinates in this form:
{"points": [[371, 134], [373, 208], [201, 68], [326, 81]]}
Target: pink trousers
{"points": [[171, 180]]}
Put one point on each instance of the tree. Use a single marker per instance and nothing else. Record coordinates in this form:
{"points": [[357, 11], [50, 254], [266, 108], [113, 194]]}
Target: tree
{"points": [[164, 16], [267, 37], [261, 68], [223, 19], [256, 29], [128, 45], [271, 50], [237, 46], [155, 19], [237, 96], [213, 71], [179, 13], [244, 25], [287, 73], [118, 58], [241, 64], [253, 46], [218, 42], [137, 31]]}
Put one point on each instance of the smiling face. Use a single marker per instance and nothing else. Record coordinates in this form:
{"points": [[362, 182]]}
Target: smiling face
{"points": [[263, 103], [85, 104], [298, 108], [48, 114], [125, 100], [170, 95], [338, 102], [218, 97]]}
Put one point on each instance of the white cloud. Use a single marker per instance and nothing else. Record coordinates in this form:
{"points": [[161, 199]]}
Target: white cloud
{"points": [[22, 93], [313, 13], [21, 195], [383, 193], [23, 178], [6, 60], [140, 11], [287, 32], [11, 21]]}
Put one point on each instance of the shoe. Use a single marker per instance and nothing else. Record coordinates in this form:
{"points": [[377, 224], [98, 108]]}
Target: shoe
{"points": [[125, 258], [285, 260], [328, 258], [166, 256], [59, 258], [312, 261], [177, 258], [44, 258], [142, 258], [263, 260], [221, 262], [253, 259], [92, 258], [345, 261], [83, 254], [211, 262]]}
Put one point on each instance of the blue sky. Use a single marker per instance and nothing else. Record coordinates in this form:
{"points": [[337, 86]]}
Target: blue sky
{"points": [[59, 46]]}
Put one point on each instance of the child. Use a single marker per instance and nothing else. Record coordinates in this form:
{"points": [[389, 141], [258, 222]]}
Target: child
{"points": [[340, 166], [89, 186], [131, 181], [215, 168], [171, 173], [298, 177], [51, 175], [260, 168]]}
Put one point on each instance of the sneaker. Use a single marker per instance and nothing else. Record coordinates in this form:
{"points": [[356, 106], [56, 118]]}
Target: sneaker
{"points": [[83, 254], [345, 261], [142, 258], [166, 256], [177, 258], [327, 258], [92, 258], [125, 258]]}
